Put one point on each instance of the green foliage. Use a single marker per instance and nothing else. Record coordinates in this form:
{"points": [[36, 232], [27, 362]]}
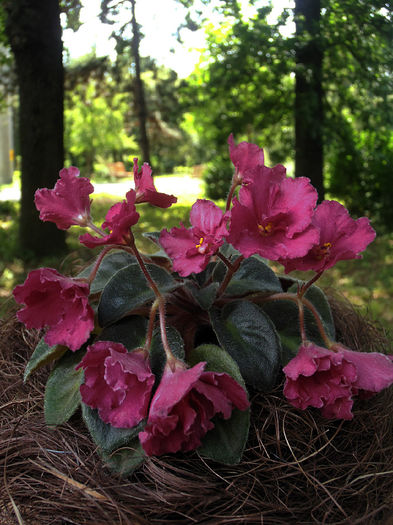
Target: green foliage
{"points": [[285, 316], [62, 396], [128, 289], [218, 175], [43, 354], [244, 84], [111, 264], [119, 447], [250, 338], [359, 115], [95, 125], [252, 276]]}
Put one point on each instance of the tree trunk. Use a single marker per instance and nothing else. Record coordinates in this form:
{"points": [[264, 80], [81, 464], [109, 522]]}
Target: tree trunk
{"points": [[34, 31], [309, 94], [140, 104]]}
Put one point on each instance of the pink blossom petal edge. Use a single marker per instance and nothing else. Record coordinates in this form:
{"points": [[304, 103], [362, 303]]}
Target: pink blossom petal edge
{"points": [[68, 203]]}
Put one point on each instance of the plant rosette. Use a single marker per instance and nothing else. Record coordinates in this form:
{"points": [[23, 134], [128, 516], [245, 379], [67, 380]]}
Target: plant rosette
{"points": [[164, 352]]}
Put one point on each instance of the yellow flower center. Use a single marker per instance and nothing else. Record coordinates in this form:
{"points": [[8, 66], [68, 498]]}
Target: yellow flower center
{"points": [[200, 243], [265, 230], [323, 250]]}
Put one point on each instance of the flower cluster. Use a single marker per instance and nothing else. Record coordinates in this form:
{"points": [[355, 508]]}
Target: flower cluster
{"points": [[144, 382]]}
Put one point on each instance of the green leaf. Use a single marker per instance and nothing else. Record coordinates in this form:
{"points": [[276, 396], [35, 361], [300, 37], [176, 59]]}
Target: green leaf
{"points": [[249, 336], [203, 296], [253, 276], [229, 251], [153, 237], [157, 352], [125, 460], [110, 265], [217, 360], [318, 298], [42, 355], [204, 277], [129, 331], [128, 289], [226, 442], [285, 317], [62, 396], [105, 436]]}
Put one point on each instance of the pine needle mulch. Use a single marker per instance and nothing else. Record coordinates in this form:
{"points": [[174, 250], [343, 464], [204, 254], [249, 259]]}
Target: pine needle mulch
{"points": [[298, 467]]}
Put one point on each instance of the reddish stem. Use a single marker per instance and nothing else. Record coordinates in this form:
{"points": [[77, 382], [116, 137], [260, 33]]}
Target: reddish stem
{"points": [[228, 276]]}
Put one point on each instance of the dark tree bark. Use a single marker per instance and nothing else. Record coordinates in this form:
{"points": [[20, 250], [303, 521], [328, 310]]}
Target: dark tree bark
{"points": [[139, 93], [309, 94], [34, 32]]}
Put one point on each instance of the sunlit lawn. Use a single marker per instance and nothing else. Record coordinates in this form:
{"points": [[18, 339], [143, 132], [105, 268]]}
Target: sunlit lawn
{"points": [[368, 282]]}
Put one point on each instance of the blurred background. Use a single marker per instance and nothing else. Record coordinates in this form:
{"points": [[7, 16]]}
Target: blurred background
{"points": [[95, 83]]}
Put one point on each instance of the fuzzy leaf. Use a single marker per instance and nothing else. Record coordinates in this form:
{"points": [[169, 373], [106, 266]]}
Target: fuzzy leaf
{"points": [[111, 264], [42, 355], [253, 276], [153, 237], [127, 459], [226, 441], [285, 317], [105, 436], [128, 289], [62, 396], [249, 336], [204, 296], [129, 331], [157, 353]]}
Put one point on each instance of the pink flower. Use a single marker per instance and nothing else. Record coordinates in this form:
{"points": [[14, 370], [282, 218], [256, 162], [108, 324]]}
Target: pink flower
{"points": [[145, 189], [248, 160], [118, 383], [272, 217], [118, 220], [191, 249], [182, 408], [58, 302], [341, 238], [328, 379], [68, 203]]}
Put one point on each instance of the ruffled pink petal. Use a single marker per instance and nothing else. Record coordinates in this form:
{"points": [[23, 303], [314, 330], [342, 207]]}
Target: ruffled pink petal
{"points": [[341, 238], [245, 156], [374, 370], [145, 189], [119, 219], [207, 217], [68, 203], [118, 383], [173, 387], [59, 303]]}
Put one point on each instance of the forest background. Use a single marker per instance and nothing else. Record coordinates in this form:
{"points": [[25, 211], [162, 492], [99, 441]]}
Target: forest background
{"points": [[318, 99]]}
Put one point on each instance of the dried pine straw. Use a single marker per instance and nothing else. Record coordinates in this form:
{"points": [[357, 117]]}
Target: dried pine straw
{"points": [[298, 467]]}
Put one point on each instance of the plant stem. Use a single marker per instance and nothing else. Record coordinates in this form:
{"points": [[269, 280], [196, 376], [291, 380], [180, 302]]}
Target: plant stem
{"points": [[306, 286], [226, 261], [150, 327], [301, 302], [318, 320], [160, 300], [228, 276], [301, 321], [95, 228], [235, 184], [98, 262], [150, 280]]}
